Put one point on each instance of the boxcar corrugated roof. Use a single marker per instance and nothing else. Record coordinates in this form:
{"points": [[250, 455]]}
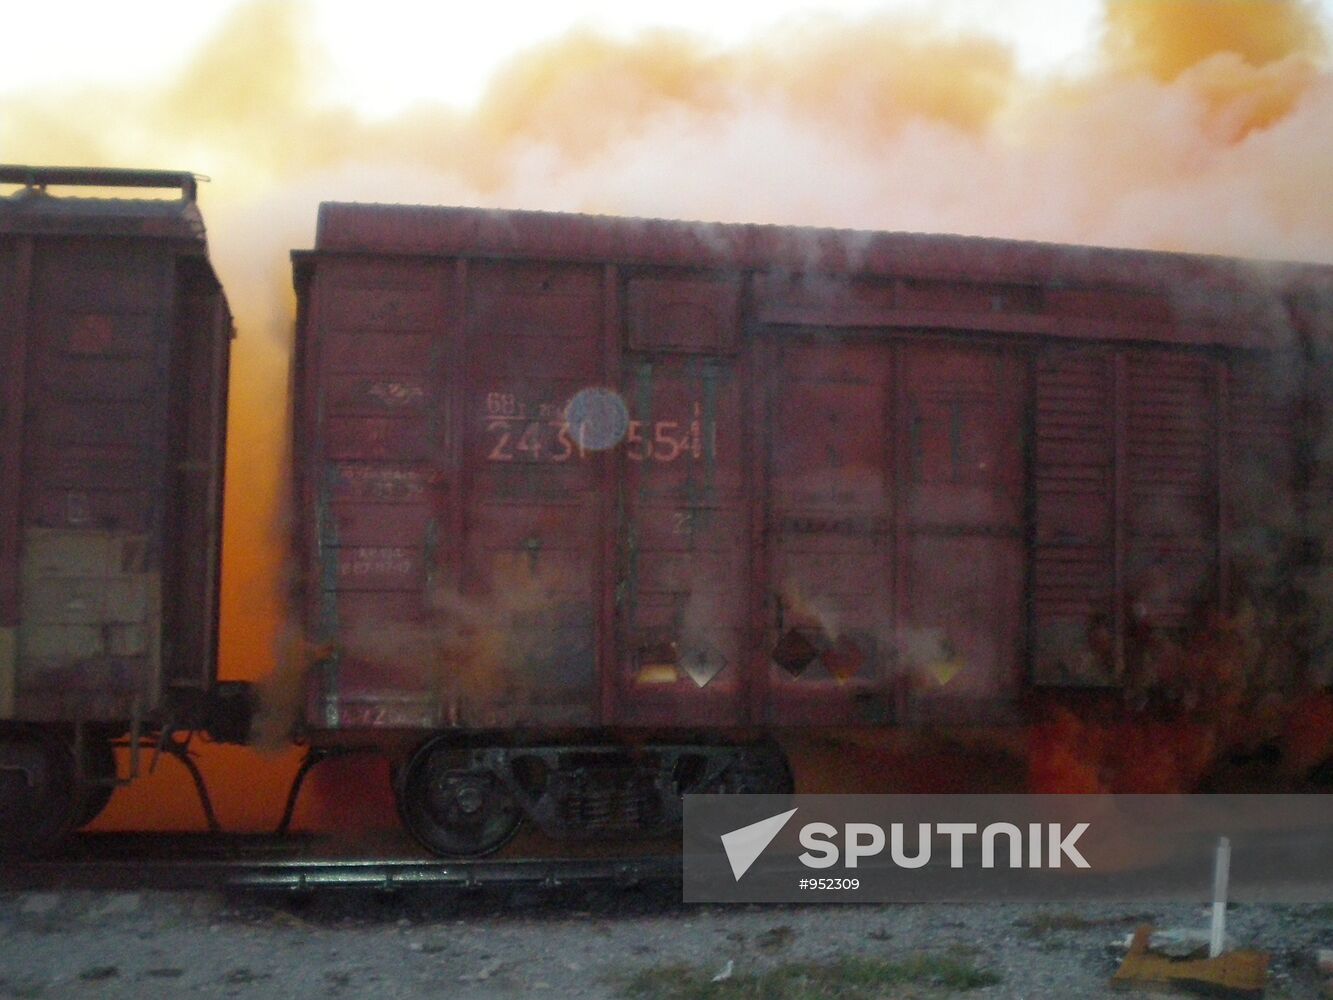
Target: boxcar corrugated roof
{"points": [[410, 229], [33, 212]]}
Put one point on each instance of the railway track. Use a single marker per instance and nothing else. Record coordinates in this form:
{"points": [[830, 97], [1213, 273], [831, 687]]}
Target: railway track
{"points": [[202, 862]]}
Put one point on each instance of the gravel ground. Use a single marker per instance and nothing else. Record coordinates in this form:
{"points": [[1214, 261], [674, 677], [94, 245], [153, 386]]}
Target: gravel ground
{"points": [[481, 944]]}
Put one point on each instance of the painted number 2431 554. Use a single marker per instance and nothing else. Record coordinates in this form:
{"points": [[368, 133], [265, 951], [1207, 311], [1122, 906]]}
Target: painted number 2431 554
{"points": [[518, 433]]}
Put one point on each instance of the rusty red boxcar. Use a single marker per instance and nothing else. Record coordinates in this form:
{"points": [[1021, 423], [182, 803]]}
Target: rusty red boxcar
{"points": [[114, 339], [589, 509]]}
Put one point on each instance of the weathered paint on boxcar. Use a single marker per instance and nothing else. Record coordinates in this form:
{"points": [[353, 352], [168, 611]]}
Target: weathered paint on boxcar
{"points": [[114, 336], [576, 471]]}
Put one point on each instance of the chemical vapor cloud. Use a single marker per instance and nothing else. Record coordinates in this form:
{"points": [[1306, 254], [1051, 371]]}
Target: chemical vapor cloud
{"points": [[1201, 126]]}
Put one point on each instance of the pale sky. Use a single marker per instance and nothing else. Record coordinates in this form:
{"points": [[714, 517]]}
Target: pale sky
{"points": [[386, 55]]}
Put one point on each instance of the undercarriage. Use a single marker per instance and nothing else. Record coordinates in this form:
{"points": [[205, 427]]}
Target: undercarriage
{"points": [[469, 802]]}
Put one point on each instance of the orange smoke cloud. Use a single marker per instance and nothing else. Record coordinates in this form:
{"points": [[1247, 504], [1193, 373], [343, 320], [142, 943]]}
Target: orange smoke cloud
{"points": [[1248, 61], [1203, 127], [584, 92], [1166, 38], [875, 78], [1197, 130]]}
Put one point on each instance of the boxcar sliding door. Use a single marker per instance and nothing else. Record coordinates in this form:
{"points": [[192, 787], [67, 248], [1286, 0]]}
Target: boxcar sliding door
{"points": [[830, 530], [895, 529], [682, 527], [962, 428]]}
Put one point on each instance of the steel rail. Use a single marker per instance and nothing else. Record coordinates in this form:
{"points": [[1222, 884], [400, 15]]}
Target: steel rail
{"points": [[266, 864]]}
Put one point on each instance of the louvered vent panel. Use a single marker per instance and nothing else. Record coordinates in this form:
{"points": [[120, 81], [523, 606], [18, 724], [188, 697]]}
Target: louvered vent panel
{"points": [[1261, 508], [1074, 568], [1260, 420], [1171, 506]]}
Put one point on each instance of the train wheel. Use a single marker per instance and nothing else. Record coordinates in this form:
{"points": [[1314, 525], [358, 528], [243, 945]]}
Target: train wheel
{"points": [[454, 809], [40, 798]]}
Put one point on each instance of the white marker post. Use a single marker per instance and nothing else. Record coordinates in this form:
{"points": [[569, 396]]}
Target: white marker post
{"points": [[1221, 875]]}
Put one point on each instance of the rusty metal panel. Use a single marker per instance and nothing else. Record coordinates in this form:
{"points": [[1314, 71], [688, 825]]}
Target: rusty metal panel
{"points": [[33, 213], [532, 472], [682, 589], [8, 669], [796, 298], [831, 494], [15, 278], [948, 282], [371, 437], [1259, 501], [192, 549], [95, 414], [963, 636], [1074, 587], [962, 434], [87, 595], [564, 470], [1171, 502], [370, 350], [1134, 305], [897, 493], [968, 296], [684, 314], [456, 535], [964, 424], [89, 639], [1129, 501], [93, 427]]}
